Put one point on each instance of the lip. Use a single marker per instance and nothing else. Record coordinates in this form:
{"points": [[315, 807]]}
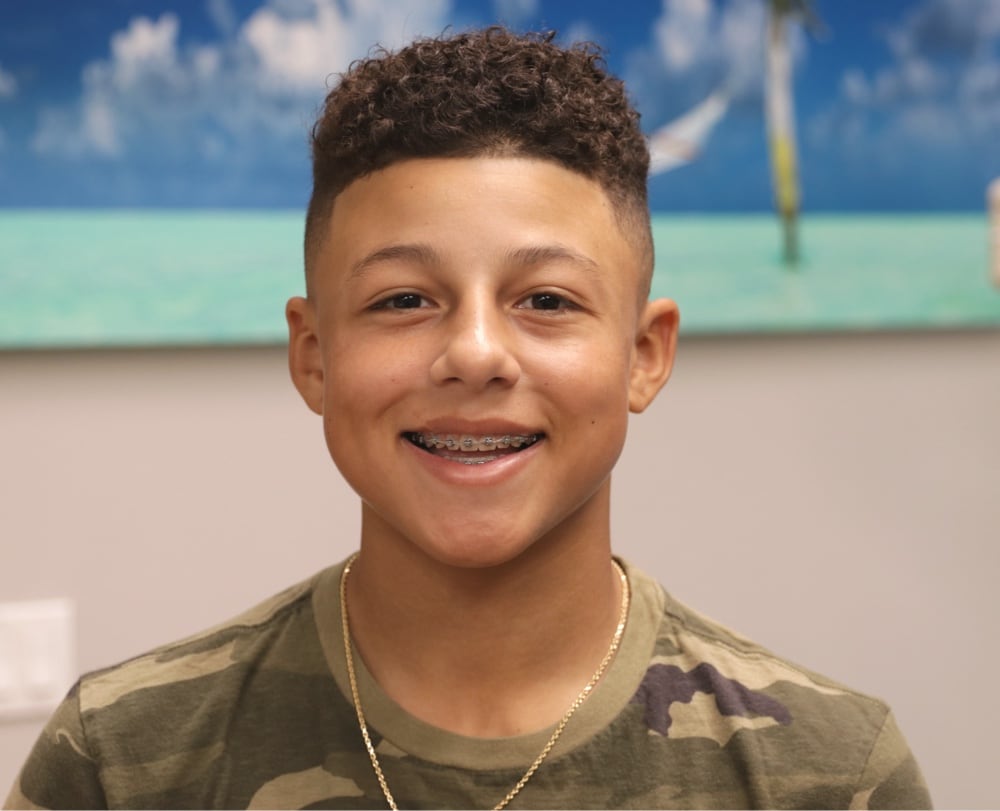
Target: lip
{"points": [[487, 473]]}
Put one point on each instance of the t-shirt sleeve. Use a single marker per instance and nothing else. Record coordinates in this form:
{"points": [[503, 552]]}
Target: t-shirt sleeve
{"points": [[891, 778], [60, 771]]}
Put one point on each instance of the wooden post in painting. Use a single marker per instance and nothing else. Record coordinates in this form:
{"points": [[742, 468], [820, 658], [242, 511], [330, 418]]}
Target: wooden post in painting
{"points": [[993, 204], [781, 126]]}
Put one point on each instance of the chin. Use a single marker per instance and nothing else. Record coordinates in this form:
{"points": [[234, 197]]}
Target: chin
{"points": [[468, 549]]}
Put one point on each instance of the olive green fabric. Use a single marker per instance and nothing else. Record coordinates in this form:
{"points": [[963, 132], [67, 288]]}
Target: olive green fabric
{"points": [[253, 714]]}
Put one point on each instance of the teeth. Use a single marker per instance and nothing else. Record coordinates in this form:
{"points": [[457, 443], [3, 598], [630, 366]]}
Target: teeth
{"points": [[467, 443], [471, 443]]}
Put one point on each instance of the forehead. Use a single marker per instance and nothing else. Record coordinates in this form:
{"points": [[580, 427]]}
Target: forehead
{"points": [[472, 207]]}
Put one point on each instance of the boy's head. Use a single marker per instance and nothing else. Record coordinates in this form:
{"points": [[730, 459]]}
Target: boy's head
{"points": [[477, 248], [488, 93]]}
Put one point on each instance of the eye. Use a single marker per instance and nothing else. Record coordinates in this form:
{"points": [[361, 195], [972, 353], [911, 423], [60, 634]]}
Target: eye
{"points": [[546, 301], [401, 301]]}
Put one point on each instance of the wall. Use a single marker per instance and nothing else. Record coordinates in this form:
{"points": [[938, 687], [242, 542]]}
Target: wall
{"points": [[835, 497]]}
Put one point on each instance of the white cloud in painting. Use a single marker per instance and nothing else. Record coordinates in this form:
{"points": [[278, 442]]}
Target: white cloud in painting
{"points": [[513, 12], [940, 87], [145, 48], [8, 84], [294, 52], [223, 15], [230, 98], [682, 32], [579, 31], [698, 46]]}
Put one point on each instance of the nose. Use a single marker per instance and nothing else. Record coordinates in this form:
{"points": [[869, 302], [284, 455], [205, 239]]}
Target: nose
{"points": [[477, 347]]}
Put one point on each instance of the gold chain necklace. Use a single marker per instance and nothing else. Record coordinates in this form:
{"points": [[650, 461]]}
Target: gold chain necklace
{"points": [[584, 693]]}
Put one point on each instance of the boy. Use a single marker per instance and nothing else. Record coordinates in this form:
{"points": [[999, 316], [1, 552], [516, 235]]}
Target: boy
{"points": [[474, 334]]}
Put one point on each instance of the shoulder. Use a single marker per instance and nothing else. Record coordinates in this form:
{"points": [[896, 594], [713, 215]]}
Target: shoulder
{"points": [[740, 672], [804, 737], [216, 654], [60, 771], [146, 732]]}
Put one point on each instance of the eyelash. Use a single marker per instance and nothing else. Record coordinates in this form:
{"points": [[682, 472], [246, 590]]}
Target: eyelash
{"points": [[395, 302], [561, 302], [392, 302]]}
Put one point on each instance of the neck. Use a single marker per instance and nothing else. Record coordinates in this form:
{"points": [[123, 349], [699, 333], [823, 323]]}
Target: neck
{"points": [[488, 652]]}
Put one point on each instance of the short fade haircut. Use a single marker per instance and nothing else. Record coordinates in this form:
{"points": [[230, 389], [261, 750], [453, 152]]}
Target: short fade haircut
{"points": [[483, 93]]}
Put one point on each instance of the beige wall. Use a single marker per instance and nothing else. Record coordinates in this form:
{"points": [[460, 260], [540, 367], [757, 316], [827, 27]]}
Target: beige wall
{"points": [[835, 497]]}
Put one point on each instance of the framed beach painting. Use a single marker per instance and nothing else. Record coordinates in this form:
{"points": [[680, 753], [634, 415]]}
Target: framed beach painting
{"points": [[816, 164]]}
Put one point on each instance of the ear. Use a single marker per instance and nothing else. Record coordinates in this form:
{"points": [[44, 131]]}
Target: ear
{"points": [[305, 361], [653, 353]]}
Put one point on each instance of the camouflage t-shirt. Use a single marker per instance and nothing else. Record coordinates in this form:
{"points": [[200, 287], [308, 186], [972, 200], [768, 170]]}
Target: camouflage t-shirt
{"points": [[256, 714]]}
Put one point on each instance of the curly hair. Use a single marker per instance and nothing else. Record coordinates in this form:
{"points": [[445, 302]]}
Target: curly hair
{"points": [[484, 93]]}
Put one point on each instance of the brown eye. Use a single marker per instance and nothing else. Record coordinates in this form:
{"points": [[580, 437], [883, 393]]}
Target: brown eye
{"points": [[402, 301], [405, 301], [546, 301]]}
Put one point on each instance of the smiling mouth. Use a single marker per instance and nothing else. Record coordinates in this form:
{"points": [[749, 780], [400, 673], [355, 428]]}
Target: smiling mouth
{"points": [[469, 449]]}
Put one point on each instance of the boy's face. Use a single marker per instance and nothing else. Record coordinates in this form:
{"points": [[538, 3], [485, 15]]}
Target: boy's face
{"points": [[485, 303]]}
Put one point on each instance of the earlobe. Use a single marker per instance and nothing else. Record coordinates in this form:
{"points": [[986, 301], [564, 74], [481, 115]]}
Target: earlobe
{"points": [[305, 361], [653, 352]]}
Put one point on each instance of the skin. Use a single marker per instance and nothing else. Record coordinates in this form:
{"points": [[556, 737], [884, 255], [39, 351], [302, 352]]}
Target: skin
{"points": [[482, 297]]}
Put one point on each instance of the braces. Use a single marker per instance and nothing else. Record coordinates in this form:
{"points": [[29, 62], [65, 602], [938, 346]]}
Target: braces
{"points": [[471, 444]]}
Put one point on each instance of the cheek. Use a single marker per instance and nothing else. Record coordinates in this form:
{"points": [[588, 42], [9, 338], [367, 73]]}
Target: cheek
{"points": [[589, 373], [589, 390], [364, 380], [362, 373]]}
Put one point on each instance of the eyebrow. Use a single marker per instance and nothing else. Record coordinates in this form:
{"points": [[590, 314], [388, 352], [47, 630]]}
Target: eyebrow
{"points": [[545, 254], [527, 256], [413, 253]]}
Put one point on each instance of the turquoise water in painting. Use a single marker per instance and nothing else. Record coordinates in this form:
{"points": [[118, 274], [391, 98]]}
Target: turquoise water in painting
{"points": [[166, 278], [863, 272], [109, 278]]}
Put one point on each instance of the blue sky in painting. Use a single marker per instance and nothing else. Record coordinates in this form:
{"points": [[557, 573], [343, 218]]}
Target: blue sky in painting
{"points": [[207, 102]]}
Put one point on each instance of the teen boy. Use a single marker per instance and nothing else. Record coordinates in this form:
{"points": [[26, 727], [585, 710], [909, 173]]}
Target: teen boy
{"points": [[474, 334]]}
